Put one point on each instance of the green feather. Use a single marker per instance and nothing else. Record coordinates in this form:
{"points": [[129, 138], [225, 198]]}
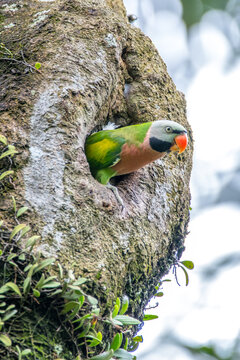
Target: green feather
{"points": [[104, 175], [103, 149]]}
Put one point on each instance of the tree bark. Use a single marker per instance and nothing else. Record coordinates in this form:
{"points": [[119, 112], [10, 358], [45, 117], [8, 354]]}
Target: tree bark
{"points": [[95, 68]]}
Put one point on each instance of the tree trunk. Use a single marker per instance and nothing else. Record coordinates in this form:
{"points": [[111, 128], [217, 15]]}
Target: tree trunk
{"points": [[95, 68]]}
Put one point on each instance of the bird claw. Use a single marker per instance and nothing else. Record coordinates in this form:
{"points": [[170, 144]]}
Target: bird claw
{"points": [[123, 209], [118, 197]]}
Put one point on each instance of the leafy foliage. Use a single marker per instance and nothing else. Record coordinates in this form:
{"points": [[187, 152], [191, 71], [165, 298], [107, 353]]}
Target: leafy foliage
{"points": [[183, 265], [27, 283]]}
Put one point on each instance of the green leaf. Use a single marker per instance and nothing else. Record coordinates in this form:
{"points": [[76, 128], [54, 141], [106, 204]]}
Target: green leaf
{"points": [[159, 294], [74, 312], [118, 302], [79, 281], [37, 65], [59, 291], [9, 315], [148, 317], [106, 355], [32, 240], [92, 300], [87, 316], [44, 264], [99, 336], [6, 173], [127, 320], [14, 287], [115, 322], [36, 293], [22, 257], [188, 264], [115, 311], [48, 279], [16, 230], [85, 330], [81, 299], [185, 273], [8, 153], [96, 311], [138, 338], [1, 252], [69, 306], [1, 223], [26, 352], [13, 263], [126, 344], [123, 354], [5, 339], [11, 256], [51, 285], [3, 139], [4, 289], [31, 270], [95, 340], [40, 282], [26, 285], [75, 288], [117, 341], [24, 231], [27, 267], [125, 303], [22, 210]]}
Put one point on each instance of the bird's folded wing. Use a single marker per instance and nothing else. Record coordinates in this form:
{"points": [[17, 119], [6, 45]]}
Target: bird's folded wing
{"points": [[103, 150]]}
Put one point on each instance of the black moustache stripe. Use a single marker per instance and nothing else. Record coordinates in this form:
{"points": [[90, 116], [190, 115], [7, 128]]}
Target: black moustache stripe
{"points": [[159, 145]]}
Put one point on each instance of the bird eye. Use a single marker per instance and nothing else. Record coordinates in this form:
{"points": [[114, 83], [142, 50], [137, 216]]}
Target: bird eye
{"points": [[168, 129]]}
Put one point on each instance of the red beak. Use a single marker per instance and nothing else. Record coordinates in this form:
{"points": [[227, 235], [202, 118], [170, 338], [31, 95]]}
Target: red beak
{"points": [[180, 143]]}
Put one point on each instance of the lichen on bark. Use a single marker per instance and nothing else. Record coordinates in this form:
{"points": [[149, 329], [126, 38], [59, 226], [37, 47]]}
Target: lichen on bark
{"points": [[95, 68]]}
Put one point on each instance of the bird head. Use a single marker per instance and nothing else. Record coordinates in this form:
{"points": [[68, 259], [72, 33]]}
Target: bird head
{"points": [[167, 136]]}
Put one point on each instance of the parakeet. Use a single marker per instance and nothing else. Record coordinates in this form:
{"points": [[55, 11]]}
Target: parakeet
{"points": [[127, 149]]}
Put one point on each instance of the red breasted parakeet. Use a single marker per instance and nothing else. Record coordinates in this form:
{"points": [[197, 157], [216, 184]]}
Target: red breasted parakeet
{"points": [[127, 149]]}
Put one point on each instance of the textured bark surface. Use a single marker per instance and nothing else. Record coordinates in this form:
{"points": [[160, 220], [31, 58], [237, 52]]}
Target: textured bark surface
{"points": [[96, 68]]}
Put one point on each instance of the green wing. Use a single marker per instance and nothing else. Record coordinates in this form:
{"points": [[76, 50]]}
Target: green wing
{"points": [[103, 150]]}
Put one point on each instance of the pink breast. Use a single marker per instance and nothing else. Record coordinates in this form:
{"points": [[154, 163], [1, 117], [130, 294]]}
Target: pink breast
{"points": [[134, 157]]}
